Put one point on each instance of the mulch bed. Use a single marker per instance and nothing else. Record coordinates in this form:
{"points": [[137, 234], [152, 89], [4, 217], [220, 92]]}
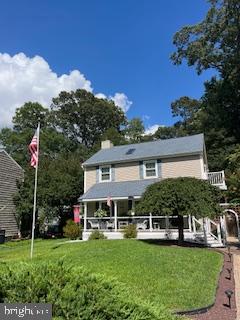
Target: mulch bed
{"points": [[221, 309]]}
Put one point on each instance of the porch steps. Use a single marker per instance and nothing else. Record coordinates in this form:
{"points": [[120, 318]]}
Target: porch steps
{"points": [[211, 241]]}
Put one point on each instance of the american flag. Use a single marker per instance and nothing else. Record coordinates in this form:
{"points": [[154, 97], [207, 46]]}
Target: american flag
{"points": [[109, 201], [33, 148]]}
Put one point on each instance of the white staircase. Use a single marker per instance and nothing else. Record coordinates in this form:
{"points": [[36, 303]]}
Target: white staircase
{"points": [[208, 232]]}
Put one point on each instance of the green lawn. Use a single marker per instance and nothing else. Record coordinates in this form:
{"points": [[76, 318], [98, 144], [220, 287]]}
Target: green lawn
{"points": [[173, 277]]}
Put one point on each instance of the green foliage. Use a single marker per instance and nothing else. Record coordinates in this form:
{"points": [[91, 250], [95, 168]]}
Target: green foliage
{"points": [[72, 230], [74, 293], [143, 268], [84, 118], [130, 231], [213, 44], [97, 235], [135, 130], [100, 213], [181, 196], [233, 176]]}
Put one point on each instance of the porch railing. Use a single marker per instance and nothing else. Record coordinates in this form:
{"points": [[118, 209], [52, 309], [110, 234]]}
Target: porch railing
{"points": [[144, 223], [217, 179]]}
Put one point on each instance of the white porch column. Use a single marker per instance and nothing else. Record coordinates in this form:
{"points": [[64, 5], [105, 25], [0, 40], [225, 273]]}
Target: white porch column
{"points": [[115, 215], [150, 222], [100, 205], [85, 217], [190, 223]]}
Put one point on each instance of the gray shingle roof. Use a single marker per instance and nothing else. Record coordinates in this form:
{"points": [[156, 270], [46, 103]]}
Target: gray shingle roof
{"points": [[117, 189], [158, 148]]}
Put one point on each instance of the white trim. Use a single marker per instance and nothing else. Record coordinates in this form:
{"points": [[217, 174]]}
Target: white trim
{"points": [[85, 181], [203, 173], [105, 199], [145, 170], [110, 173]]}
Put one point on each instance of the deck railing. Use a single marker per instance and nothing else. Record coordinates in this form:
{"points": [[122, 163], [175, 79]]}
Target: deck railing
{"points": [[217, 179], [144, 223]]}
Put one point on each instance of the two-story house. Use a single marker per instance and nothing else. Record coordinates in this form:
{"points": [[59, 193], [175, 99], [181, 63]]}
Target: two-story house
{"points": [[116, 177], [10, 173]]}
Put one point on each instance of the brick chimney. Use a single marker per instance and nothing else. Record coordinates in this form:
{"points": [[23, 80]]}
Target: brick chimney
{"points": [[106, 144]]}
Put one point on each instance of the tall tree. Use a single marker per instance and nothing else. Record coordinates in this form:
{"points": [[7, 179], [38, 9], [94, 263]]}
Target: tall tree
{"points": [[83, 117], [214, 44], [135, 130]]}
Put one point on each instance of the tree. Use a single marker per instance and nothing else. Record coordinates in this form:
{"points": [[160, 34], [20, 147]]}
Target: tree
{"points": [[135, 130], [28, 116], [169, 132], [185, 108], [60, 183], [233, 175], [179, 197], [84, 118], [214, 44]]}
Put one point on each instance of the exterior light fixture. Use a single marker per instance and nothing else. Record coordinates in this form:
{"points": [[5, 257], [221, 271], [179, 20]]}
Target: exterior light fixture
{"points": [[229, 294]]}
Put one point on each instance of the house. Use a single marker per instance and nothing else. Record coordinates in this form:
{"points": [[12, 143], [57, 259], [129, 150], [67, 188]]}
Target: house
{"points": [[120, 175], [10, 173]]}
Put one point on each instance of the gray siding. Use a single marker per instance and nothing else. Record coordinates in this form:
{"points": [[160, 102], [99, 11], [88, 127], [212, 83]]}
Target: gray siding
{"points": [[10, 172]]}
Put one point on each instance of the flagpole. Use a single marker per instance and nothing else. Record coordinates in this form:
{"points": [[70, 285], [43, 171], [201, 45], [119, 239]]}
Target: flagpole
{"points": [[35, 192]]}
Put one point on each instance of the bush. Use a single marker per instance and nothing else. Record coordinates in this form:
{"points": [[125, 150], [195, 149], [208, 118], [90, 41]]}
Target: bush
{"points": [[72, 230], [130, 231], [74, 293], [97, 235]]}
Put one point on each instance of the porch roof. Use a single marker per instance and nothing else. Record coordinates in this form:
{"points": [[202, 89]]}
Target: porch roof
{"points": [[117, 190]]}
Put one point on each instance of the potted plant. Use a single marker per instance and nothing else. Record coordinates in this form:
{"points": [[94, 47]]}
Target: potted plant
{"points": [[100, 213]]}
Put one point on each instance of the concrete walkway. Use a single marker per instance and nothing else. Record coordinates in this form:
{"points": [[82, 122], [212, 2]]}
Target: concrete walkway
{"points": [[236, 267]]}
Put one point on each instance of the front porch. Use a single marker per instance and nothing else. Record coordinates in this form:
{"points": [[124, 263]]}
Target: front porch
{"points": [[121, 214]]}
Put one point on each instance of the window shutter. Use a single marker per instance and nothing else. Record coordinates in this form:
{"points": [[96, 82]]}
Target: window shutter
{"points": [[159, 168], [97, 174], [112, 172], [141, 169]]}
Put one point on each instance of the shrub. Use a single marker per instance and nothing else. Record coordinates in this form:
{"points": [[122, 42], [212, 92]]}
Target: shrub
{"points": [[72, 230], [130, 231], [97, 235], [74, 293]]}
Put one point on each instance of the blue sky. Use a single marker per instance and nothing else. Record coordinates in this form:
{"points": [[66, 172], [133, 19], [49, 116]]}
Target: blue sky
{"points": [[120, 46]]}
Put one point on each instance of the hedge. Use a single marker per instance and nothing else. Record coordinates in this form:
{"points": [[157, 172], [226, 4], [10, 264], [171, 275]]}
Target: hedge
{"points": [[75, 293]]}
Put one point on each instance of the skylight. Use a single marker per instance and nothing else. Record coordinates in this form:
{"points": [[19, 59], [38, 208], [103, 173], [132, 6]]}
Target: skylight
{"points": [[130, 151]]}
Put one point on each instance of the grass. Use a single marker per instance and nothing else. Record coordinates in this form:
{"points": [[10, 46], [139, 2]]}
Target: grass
{"points": [[173, 277]]}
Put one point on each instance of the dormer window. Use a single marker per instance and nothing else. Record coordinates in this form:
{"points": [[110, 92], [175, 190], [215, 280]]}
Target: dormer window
{"points": [[150, 169], [105, 173]]}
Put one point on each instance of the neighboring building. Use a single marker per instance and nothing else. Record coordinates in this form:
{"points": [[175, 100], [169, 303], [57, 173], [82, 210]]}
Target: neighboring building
{"points": [[122, 173], [10, 173]]}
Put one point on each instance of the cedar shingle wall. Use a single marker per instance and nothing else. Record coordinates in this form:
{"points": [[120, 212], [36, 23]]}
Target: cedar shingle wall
{"points": [[10, 172]]}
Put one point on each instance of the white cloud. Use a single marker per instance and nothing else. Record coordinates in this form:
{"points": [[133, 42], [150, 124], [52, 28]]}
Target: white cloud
{"points": [[24, 79], [100, 96], [152, 129], [122, 101]]}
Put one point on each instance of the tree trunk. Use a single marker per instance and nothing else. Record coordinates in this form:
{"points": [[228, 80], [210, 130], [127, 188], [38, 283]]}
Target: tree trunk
{"points": [[180, 230]]}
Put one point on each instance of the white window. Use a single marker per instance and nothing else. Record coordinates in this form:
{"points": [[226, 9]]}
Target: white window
{"points": [[105, 173], [150, 169]]}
